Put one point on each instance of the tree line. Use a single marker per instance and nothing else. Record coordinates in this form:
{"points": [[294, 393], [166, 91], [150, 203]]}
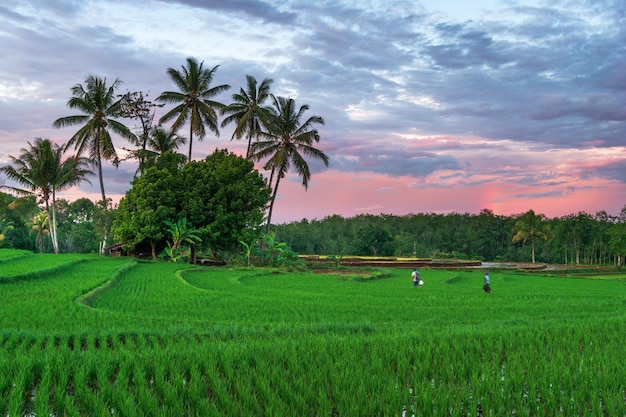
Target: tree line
{"points": [[580, 238], [279, 135], [574, 239]]}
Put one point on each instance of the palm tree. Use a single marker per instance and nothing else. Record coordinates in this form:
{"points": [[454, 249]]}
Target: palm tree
{"points": [[159, 141], [531, 226], [41, 225], [5, 226], [163, 140], [193, 101], [100, 106], [247, 109], [41, 171], [286, 141]]}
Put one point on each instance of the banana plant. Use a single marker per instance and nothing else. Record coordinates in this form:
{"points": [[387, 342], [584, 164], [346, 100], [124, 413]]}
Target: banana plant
{"points": [[181, 233]]}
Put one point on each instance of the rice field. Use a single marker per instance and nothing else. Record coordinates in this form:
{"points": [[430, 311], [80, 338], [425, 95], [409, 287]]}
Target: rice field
{"points": [[95, 336]]}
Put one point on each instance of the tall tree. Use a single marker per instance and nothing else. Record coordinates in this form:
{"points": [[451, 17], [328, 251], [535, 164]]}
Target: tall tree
{"points": [[286, 141], [163, 140], [247, 109], [193, 102], [5, 226], [75, 221], [40, 225], [41, 171], [159, 141], [100, 106], [531, 226], [223, 196], [136, 106]]}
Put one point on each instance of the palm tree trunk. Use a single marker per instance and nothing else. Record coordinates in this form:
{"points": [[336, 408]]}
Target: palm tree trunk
{"points": [[190, 142], [250, 129], [193, 255], [269, 183], [99, 162], [269, 214], [53, 225], [103, 244], [249, 146]]}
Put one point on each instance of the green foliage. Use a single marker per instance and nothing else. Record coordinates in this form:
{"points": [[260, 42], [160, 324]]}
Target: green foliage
{"points": [[268, 252], [181, 233], [40, 228], [17, 213], [222, 196], [531, 226], [247, 252], [373, 240], [173, 254], [99, 107], [617, 240], [286, 139], [194, 102], [41, 171], [5, 226], [78, 221], [576, 239], [247, 110]]}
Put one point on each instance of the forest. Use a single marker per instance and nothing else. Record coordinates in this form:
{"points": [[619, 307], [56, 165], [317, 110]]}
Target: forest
{"points": [[581, 238], [575, 239]]}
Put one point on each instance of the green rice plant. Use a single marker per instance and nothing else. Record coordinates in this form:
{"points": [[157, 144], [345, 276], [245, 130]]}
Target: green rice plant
{"points": [[7, 254], [32, 267], [43, 394], [155, 339], [20, 392]]}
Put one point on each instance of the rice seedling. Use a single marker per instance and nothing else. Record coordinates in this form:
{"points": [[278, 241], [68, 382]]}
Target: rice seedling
{"points": [[104, 336]]}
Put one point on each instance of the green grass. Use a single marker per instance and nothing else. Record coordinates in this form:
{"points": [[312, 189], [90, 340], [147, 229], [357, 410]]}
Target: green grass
{"points": [[109, 336]]}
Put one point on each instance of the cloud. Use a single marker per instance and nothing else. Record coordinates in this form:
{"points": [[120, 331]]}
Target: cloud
{"points": [[256, 9], [531, 94]]}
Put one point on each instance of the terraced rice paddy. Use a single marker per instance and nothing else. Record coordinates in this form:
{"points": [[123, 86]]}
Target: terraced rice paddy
{"points": [[94, 336]]}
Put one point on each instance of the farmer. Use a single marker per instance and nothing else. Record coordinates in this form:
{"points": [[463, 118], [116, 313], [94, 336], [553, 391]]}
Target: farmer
{"points": [[486, 287], [415, 277]]}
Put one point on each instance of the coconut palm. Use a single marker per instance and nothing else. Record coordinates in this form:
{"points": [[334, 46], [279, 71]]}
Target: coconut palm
{"points": [[100, 106], [41, 171], [193, 102], [531, 226], [5, 226], [159, 141], [163, 140], [40, 225], [247, 109], [286, 141]]}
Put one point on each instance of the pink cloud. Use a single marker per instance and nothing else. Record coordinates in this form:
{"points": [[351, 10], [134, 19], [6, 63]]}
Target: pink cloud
{"points": [[348, 195]]}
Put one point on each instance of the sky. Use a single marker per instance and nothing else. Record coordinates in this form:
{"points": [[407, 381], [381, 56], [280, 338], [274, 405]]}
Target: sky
{"points": [[429, 106]]}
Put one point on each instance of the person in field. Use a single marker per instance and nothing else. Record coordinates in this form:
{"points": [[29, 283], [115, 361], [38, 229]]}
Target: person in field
{"points": [[416, 278], [487, 287]]}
